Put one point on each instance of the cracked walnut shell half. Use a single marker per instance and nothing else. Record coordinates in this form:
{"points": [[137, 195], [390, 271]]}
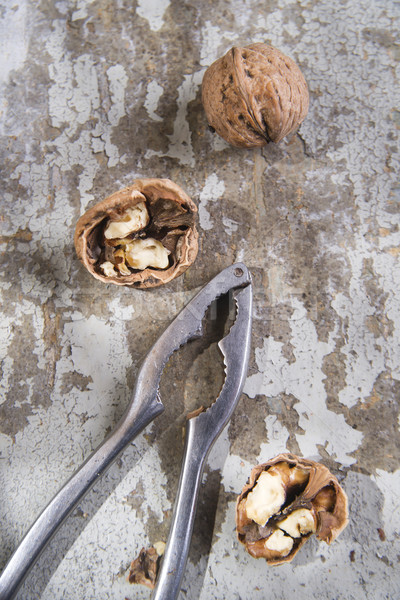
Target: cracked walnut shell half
{"points": [[254, 95], [143, 236], [285, 501]]}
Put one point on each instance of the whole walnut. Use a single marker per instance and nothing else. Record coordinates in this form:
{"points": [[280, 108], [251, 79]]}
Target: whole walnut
{"points": [[254, 95]]}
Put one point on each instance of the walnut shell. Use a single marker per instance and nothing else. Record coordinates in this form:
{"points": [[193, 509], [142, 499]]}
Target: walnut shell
{"points": [[172, 217], [254, 95], [307, 485], [145, 567]]}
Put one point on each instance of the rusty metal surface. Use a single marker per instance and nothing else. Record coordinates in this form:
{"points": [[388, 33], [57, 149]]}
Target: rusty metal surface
{"points": [[96, 93]]}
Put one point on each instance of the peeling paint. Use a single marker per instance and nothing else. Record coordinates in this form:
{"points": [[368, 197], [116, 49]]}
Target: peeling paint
{"points": [[387, 482], [81, 9], [212, 36], [180, 142], [14, 41], [364, 360], [304, 379], [277, 435], [154, 93], [213, 190], [230, 225], [118, 80], [153, 11]]}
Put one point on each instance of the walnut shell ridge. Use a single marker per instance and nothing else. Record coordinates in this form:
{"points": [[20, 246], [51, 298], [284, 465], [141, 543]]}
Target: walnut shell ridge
{"points": [[254, 95], [176, 224]]}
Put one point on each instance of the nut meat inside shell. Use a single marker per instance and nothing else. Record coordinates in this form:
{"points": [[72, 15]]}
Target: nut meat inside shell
{"points": [[254, 95], [144, 235], [286, 500]]}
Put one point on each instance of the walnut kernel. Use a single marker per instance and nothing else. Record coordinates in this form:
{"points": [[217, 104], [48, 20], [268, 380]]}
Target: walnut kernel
{"points": [[134, 219]]}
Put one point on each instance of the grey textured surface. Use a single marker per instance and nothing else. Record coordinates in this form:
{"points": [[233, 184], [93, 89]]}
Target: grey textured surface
{"points": [[95, 93]]}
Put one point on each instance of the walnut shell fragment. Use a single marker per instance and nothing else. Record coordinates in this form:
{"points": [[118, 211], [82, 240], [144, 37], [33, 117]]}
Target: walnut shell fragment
{"points": [[143, 235], [254, 95], [145, 567], [284, 502]]}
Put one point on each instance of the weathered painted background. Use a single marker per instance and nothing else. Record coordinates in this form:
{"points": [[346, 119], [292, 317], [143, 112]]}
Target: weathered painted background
{"points": [[97, 92]]}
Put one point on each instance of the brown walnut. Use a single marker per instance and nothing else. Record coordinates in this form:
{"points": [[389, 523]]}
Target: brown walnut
{"points": [[254, 95], [143, 235], [284, 502]]}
